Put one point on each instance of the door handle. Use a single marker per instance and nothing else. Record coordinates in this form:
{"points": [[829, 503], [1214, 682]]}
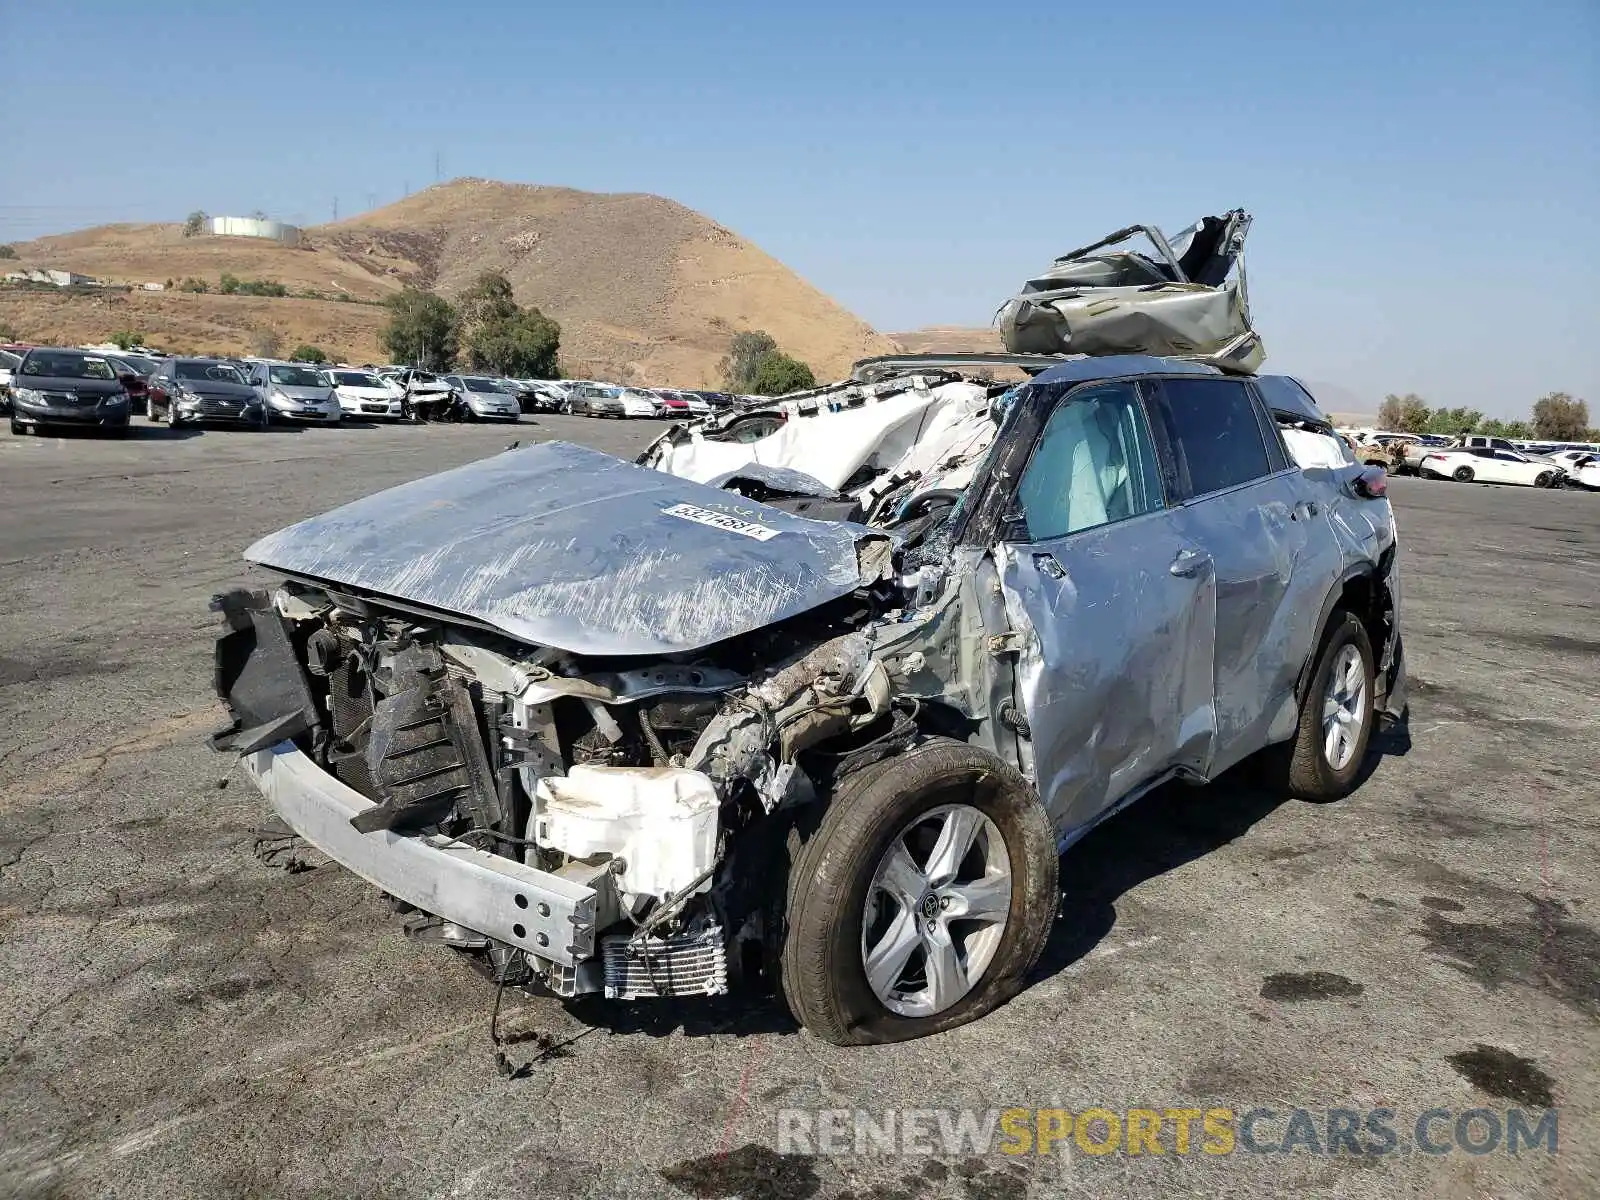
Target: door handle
{"points": [[1305, 509], [1046, 562], [1189, 563]]}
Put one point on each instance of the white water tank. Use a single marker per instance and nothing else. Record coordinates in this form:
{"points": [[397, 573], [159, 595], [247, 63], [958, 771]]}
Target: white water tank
{"points": [[256, 227]]}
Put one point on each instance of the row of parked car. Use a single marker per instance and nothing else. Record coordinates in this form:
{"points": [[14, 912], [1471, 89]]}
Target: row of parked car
{"points": [[66, 386], [1479, 458]]}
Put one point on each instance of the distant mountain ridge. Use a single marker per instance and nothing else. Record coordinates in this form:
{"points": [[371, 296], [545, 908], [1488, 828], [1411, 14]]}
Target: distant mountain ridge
{"points": [[645, 289]]}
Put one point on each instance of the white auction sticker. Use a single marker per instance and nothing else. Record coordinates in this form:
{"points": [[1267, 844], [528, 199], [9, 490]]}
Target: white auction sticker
{"points": [[708, 516]]}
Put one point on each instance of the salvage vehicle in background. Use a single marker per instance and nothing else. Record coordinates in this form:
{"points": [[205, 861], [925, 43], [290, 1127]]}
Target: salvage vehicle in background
{"points": [[696, 404], [1485, 465], [8, 363], [1418, 446], [816, 710], [295, 392], [135, 370], [427, 397], [1582, 468], [595, 400], [479, 398], [67, 388], [188, 391], [362, 393], [638, 403]]}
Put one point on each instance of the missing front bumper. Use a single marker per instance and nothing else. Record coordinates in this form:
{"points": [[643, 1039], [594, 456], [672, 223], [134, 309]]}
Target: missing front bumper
{"points": [[498, 897]]}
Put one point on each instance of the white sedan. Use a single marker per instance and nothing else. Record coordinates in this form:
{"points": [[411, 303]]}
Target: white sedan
{"points": [[1582, 467], [636, 402], [1484, 465], [363, 394]]}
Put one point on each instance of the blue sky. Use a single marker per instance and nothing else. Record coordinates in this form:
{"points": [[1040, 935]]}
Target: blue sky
{"points": [[1424, 177]]}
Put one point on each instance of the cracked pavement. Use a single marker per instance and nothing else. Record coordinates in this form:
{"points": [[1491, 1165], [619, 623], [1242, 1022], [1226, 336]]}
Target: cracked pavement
{"points": [[186, 1016]]}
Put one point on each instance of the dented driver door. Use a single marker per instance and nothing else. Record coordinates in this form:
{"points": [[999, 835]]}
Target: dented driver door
{"points": [[1113, 611]]}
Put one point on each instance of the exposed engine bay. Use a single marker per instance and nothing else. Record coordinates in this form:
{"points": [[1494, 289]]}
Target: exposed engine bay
{"points": [[656, 759]]}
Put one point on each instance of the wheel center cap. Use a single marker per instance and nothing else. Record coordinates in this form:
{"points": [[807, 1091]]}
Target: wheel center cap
{"points": [[929, 907]]}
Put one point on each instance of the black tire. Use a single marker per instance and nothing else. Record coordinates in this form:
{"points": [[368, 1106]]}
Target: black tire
{"points": [[18, 429], [1544, 480], [1462, 475], [1300, 767], [823, 977], [171, 415]]}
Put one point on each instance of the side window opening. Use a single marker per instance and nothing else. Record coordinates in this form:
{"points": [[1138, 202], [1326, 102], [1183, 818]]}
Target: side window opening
{"points": [[1211, 427], [1093, 464]]}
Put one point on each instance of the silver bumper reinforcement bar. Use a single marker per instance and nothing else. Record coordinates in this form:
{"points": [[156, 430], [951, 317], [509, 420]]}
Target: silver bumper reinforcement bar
{"points": [[492, 895]]}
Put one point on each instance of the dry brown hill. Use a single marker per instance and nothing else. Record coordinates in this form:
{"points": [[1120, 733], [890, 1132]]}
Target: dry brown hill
{"points": [[644, 288], [950, 339]]}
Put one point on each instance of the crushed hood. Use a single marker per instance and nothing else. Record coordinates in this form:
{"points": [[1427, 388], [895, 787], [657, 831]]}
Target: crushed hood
{"points": [[559, 545]]}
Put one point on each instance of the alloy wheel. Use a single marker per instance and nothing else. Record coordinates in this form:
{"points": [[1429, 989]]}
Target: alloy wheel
{"points": [[1344, 707], [936, 910]]}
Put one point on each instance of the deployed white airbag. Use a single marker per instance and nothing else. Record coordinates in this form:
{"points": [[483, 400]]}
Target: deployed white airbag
{"points": [[1309, 449]]}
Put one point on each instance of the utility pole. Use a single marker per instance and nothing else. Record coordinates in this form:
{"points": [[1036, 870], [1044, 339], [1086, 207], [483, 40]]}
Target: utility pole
{"points": [[438, 173], [336, 208], [372, 200]]}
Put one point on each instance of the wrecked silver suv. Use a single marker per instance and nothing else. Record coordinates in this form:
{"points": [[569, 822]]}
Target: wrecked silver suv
{"points": [[812, 695]]}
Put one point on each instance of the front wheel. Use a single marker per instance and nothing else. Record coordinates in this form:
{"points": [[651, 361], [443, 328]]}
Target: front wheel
{"points": [[921, 900], [1462, 475], [1544, 480], [1336, 713]]}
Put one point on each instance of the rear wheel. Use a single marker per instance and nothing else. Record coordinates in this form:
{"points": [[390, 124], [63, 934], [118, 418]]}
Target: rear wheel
{"points": [[1462, 475], [1336, 714], [921, 900]]}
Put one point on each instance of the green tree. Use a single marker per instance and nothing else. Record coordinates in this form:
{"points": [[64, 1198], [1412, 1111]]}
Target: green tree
{"points": [[308, 353], [8, 251], [1451, 421], [1404, 414], [525, 344], [1559, 417], [738, 369], [500, 337], [194, 223], [191, 284], [422, 330], [777, 375], [258, 287], [127, 339], [229, 284], [488, 299]]}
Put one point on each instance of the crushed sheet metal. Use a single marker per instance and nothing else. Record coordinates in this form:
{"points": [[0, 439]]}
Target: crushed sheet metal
{"points": [[829, 446], [559, 545]]}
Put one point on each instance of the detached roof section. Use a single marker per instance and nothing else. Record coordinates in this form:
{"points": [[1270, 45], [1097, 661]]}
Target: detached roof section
{"points": [[1185, 296]]}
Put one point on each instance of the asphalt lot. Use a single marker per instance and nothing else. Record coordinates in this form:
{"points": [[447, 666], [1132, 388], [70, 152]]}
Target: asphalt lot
{"points": [[184, 1018]]}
